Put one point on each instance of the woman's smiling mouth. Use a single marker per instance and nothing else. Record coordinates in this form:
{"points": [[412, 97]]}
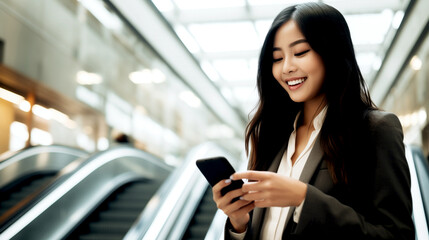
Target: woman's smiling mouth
{"points": [[296, 81]]}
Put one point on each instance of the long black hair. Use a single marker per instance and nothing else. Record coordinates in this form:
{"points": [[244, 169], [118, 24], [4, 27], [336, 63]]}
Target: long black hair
{"points": [[347, 97]]}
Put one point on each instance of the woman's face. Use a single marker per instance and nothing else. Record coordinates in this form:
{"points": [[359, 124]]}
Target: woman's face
{"points": [[296, 66]]}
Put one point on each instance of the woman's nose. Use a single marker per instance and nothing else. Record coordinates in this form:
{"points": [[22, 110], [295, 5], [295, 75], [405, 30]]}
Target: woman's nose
{"points": [[288, 66]]}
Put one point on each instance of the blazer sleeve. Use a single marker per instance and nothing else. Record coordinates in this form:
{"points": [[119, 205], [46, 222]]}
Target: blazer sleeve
{"points": [[228, 227], [391, 201]]}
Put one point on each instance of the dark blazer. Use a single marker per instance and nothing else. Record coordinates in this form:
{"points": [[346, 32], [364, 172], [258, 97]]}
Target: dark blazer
{"points": [[375, 205]]}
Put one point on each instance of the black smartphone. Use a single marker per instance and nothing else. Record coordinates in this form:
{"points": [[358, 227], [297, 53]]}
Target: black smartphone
{"points": [[218, 168]]}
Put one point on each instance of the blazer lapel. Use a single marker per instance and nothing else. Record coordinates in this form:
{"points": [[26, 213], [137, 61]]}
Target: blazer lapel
{"points": [[259, 213], [310, 167]]}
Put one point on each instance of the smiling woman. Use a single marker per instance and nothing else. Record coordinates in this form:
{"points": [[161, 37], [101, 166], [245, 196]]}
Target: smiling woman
{"points": [[324, 161]]}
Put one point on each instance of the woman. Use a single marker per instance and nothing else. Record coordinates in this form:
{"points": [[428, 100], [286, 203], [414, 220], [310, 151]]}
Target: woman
{"points": [[325, 162]]}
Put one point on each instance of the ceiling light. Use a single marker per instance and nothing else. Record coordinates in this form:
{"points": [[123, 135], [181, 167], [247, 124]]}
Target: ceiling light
{"points": [[10, 96], [416, 63], [87, 78], [142, 76], [24, 106], [157, 76], [147, 76], [16, 99], [42, 112], [19, 130]]}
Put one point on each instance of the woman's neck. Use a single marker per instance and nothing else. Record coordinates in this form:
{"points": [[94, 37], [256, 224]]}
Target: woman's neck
{"points": [[311, 110]]}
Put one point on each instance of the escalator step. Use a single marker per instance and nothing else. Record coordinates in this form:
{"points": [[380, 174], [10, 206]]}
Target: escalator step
{"points": [[208, 204], [207, 208], [118, 215], [97, 236], [110, 227], [203, 218], [128, 205], [208, 197], [198, 231], [22, 190], [138, 197], [134, 197], [142, 187], [119, 212]]}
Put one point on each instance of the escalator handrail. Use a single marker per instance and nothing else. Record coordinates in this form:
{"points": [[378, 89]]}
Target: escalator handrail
{"points": [[8, 158], [101, 157], [160, 216], [422, 171], [420, 220], [71, 175]]}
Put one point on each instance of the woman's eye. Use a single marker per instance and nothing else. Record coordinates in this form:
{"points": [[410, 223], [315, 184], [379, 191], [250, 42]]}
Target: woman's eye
{"points": [[277, 59], [301, 53]]}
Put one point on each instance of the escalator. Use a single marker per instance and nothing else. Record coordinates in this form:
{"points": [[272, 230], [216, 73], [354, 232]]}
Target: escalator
{"points": [[98, 197], [24, 173], [202, 218], [194, 214], [122, 193], [115, 216]]}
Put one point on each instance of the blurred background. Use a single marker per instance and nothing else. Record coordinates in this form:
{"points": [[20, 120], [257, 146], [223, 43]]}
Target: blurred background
{"points": [[166, 76]]}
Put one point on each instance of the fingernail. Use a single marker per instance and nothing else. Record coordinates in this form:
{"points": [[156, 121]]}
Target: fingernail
{"points": [[241, 198], [227, 180], [231, 177]]}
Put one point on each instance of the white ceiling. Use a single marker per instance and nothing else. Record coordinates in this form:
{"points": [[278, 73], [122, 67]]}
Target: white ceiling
{"points": [[225, 36]]}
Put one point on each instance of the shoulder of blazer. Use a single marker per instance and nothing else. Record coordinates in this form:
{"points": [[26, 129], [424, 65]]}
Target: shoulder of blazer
{"points": [[381, 118]]}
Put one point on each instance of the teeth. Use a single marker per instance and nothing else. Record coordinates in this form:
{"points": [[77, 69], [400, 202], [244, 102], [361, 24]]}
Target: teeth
{"points": [[295, 82]]}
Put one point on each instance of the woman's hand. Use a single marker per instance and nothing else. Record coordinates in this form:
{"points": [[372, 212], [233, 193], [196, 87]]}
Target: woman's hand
{"points": [[238, 211], [268, 189]]}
